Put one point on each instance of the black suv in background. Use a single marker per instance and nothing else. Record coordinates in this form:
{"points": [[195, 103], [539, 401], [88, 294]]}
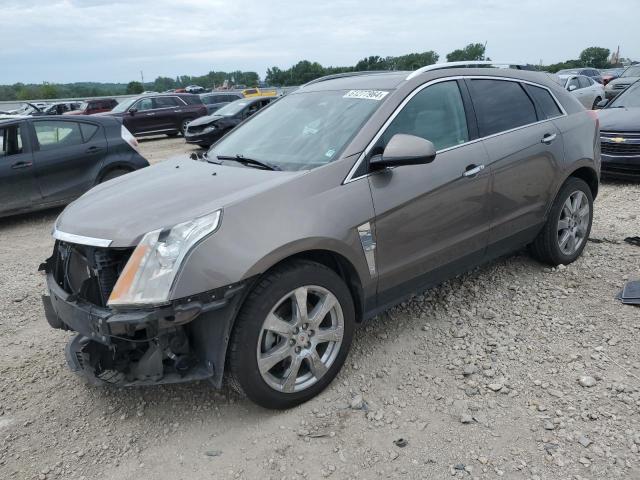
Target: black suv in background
{"points": [[159, 114], [217, 100]]}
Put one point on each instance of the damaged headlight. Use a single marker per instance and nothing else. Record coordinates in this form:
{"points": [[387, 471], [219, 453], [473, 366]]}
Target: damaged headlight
{"points": [[148, 275], [209, 128]]}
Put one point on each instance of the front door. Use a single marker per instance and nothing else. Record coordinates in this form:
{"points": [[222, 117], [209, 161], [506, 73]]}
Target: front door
{"points": [[430, 219], [18, 189]]}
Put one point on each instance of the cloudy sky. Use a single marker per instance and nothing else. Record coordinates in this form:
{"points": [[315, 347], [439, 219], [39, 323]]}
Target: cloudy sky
{"points": [[112, 40]]}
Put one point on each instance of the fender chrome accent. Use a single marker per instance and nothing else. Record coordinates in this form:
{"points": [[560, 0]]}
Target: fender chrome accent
{"points": [[80, 239], [368, 246]]}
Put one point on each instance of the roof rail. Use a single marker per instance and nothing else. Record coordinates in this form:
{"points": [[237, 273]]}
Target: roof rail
{"points": [[343, 75], [467, 64]]}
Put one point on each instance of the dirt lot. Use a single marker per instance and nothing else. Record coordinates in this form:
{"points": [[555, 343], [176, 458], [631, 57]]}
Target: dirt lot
{"points": [[514, 371]]}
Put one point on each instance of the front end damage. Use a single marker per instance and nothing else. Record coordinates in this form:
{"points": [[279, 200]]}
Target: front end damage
{"points": [[184, 340]]}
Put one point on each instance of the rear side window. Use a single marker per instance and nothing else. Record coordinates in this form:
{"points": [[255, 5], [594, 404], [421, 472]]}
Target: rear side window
{"points": [[545, 101], [501, 105], [436, 114], [88, 130], [54, 134], [165, 102], [10, 141], [191, 99], [584, 82]]}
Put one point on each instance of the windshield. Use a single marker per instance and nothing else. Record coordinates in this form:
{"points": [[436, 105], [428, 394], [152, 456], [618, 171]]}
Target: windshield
{"points": [[631, 72], [233, 108], [629, 98], [125, 105], [302, 130]]}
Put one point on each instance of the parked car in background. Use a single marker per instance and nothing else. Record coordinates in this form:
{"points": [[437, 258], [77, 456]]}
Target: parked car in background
{"points": [[610, 74], [50, 161], [216, 100], [323, 210], [587, 91], [194, 89], [164, 113], [91, 107], [620, 134], [60, 108], [630, 75], [205, 131], [592, 73]]}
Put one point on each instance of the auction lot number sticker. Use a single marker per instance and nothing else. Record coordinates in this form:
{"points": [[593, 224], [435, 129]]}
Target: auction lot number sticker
{"points": [[366, 94]]}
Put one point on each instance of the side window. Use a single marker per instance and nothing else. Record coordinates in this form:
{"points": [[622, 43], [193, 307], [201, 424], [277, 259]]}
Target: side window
{"points": [[53, 134], [165, 102], [573, 82], [501, 105], [144, 104], [10, 141], [88, 130], [584, 81], [545, 101], [435, 114]]}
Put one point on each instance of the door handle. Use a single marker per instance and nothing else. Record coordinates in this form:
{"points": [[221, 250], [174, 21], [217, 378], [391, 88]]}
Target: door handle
{"points": [[150, 114], [548, 138], [21, 164], [472, 170]]}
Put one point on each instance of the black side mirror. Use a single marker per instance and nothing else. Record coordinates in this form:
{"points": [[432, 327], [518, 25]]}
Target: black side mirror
{"points": [[602, 103], [404, 149], [132, 111]]}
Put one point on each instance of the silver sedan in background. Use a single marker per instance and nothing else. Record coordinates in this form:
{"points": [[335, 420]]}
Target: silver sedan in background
{"points": [[587, 91]]}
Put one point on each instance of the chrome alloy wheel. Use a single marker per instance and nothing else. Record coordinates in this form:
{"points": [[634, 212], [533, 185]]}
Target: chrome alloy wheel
{"points": [[573, 223], [300, 339]]}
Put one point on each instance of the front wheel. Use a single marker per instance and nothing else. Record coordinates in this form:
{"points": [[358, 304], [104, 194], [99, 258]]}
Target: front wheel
{"points": [[292, 335], [183, 125], [567, 229]]}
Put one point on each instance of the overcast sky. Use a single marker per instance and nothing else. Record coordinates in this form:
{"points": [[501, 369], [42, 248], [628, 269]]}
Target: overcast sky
{"points": [[112, 40]]}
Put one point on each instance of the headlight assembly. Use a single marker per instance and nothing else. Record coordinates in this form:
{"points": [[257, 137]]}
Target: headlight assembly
{"points": [[149, 273]]}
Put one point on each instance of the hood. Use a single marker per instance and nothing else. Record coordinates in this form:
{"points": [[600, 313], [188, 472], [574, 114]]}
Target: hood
{"points": [[619, 119], [124, 209], [207, 119], [622, 80]]}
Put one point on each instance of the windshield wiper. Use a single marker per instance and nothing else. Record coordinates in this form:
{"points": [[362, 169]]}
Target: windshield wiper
{"points": [[249, 162]]}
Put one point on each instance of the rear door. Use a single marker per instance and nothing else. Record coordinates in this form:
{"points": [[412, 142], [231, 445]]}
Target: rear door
{"points": [[430, 217], [167, 112], [18, 188], [67, 157], [525, 153]]}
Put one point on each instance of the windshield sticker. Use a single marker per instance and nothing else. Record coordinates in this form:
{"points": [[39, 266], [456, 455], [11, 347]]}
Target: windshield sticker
{"points": [[330, 153], [376, 95]]}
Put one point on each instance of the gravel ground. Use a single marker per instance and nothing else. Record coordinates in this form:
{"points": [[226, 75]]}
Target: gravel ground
{"points": [[514, 370]]}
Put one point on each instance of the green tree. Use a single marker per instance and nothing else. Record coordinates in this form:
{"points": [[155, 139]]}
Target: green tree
{"points": [[473, 51], [134, 87], [48, 91], [596, 57]]}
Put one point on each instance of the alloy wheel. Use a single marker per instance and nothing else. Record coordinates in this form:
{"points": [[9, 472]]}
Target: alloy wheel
{"points": [[300, 339], [573, 223]]}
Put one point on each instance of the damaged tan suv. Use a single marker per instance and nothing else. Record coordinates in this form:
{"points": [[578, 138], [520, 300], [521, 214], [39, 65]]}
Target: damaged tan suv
{"points": [[256, 261]]}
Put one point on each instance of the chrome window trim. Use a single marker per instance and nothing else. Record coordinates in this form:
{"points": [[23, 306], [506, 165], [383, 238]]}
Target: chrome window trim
{"points": [[350, 178], [80, 239]]}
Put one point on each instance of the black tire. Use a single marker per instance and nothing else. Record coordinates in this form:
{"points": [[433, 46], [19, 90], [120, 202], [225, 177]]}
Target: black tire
{"points": [[115, 173], [183, 125], [546, 247], [173, 135], [244, 375], [595, 103]]}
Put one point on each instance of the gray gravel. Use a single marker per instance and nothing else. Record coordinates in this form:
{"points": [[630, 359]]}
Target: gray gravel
{"points": [[514, 370]]}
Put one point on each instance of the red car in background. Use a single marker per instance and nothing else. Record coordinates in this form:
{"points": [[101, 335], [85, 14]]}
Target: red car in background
{"points": [[89, 107]]}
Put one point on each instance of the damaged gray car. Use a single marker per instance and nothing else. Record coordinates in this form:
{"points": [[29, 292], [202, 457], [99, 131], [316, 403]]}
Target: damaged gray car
{"points": [[256, 261]]}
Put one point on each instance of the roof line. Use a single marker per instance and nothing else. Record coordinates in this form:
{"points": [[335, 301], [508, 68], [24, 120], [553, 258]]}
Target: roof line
{"points": [[466, 64], [344, 75]]}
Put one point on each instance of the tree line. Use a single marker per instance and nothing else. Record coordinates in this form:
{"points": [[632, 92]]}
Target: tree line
{"points": [[298, 74]]}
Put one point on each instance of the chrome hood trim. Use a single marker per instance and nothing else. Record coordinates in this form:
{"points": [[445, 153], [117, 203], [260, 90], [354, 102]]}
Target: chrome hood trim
{"points": [[80, 239]]}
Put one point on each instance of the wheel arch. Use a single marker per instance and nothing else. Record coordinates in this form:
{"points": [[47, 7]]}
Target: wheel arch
{"points": [[111, 167], [590, 176]]}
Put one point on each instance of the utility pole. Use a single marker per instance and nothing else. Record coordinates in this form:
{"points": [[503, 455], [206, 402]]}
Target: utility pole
{"points": [[142, 78]]}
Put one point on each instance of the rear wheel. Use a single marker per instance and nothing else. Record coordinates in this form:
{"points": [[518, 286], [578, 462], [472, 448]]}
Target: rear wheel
{"points": [[292, 335], [118, 172], [183, 125], [567, 229]]}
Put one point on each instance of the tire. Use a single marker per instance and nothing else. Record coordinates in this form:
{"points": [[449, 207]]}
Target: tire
{"points": [[115, 173], [299, 343], [595, 103], [183, 125], [556, 245], [173, 135]]}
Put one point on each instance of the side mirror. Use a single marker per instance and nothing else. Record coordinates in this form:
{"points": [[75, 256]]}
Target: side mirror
{"points": [[602, 103], [133, 110], [571, 88], [404, 149]]}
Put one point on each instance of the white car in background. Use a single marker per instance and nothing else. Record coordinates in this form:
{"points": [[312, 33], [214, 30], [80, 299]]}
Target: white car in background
{"points": [[586, 90]]}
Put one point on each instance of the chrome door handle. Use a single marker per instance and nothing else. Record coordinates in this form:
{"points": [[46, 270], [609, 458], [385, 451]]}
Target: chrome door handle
{"points": [[472, 170], [150, 114], [548, 138]]}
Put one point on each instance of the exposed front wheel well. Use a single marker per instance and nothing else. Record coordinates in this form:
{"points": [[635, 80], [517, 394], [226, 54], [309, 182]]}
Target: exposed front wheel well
{"points": [[590, 176], [340, 265], [113, 172]]}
